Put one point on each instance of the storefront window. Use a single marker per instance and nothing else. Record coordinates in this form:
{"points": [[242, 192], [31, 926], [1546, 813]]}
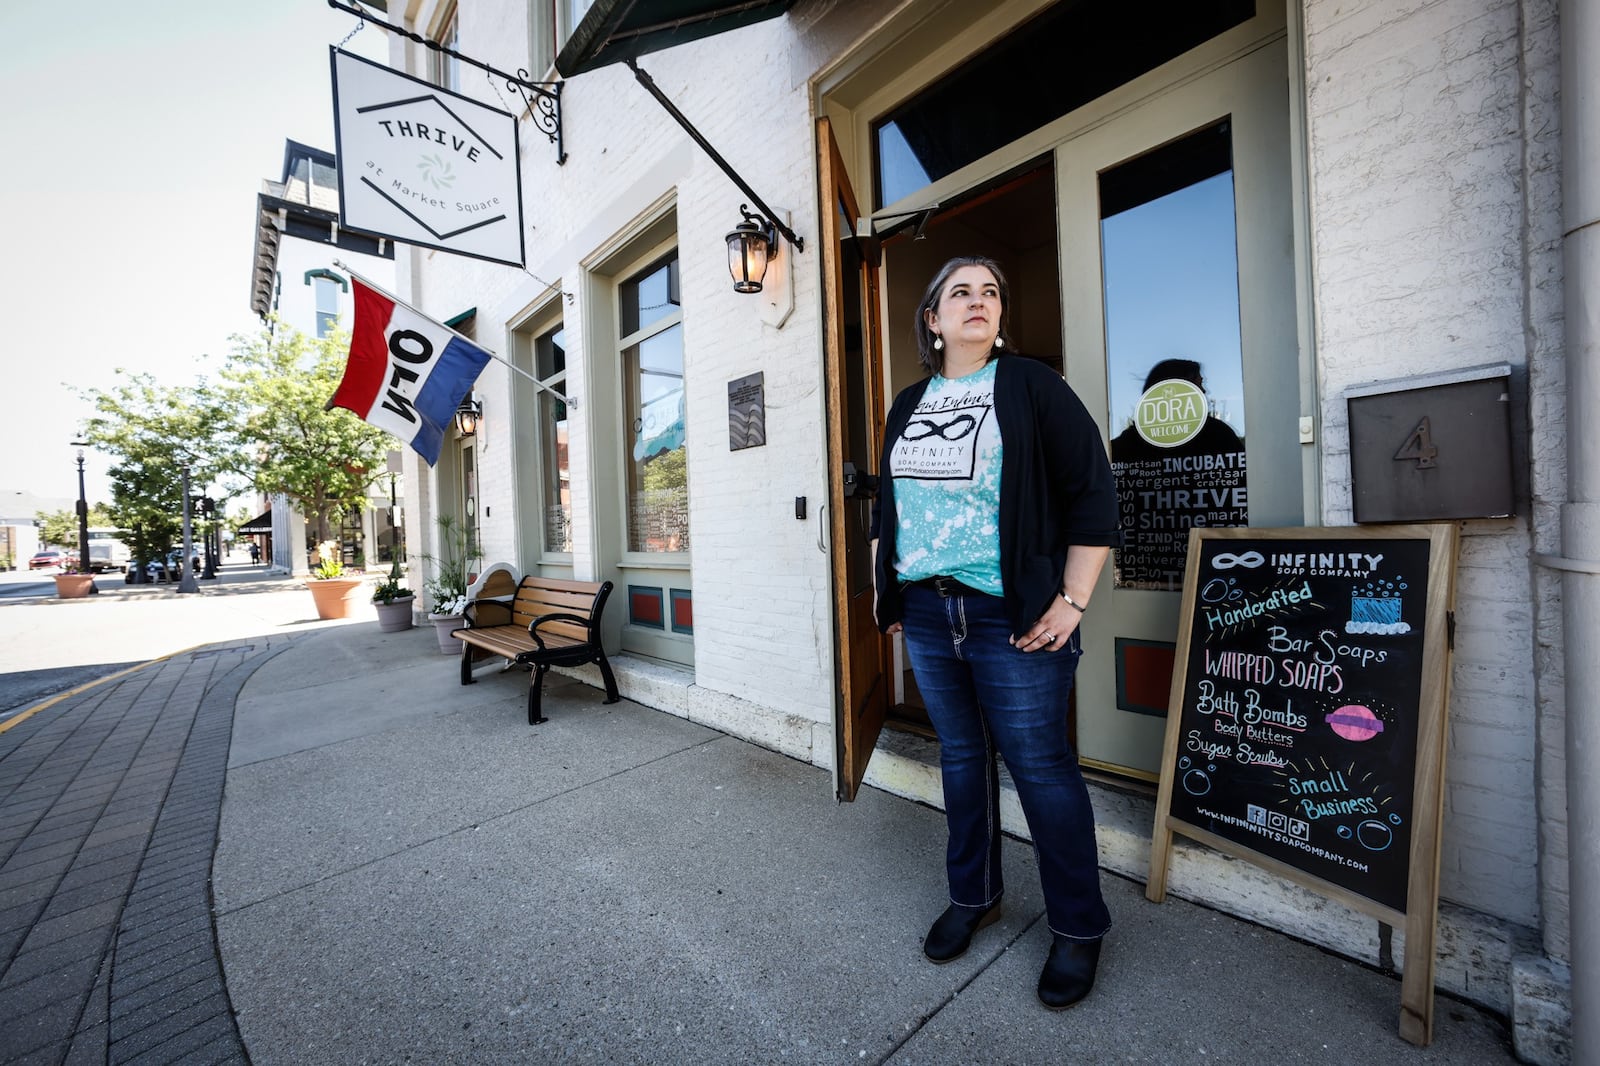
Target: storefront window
{"points": [[550, 353], [444, 69], [468, 499], [1174, 362], [653, 396], [327, 293]]}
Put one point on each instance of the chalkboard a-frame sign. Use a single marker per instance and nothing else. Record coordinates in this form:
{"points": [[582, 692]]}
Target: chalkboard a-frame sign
{"points": [[1306, 722]]}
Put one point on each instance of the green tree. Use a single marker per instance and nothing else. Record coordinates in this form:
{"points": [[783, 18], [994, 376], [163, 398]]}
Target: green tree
{"points": [[276, 388], [154, 431], [61, 527]]}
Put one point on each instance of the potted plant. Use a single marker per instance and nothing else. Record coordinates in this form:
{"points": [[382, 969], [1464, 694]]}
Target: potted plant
{"points": [[333, 589], [447, 591], [393, 601], [74, 581]]}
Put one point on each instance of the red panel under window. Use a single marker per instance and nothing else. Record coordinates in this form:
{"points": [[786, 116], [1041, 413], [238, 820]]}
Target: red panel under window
{"points": [[644, 607], [682, 611]]}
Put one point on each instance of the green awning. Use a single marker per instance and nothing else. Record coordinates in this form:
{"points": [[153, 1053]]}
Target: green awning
{"points": [[615, 30]]}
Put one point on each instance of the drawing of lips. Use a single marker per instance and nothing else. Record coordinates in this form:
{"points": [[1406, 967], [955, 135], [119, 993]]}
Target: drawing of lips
{"points": [[1355, 722]]}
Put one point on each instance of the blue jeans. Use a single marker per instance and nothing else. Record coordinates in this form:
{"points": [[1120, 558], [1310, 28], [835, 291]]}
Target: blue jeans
{"points": [[982, 695]]}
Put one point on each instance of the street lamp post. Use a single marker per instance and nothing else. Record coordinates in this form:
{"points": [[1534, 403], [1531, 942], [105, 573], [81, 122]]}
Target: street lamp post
{"points": [[83, 512], [208, 509], [187, 583]]}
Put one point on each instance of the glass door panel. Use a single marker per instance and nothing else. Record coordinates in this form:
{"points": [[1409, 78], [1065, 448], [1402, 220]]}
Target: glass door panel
{"points": [[1174, 366], [1180, 335]]}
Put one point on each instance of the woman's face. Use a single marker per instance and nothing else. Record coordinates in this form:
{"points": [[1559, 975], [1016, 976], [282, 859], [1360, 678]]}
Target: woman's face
{"points": [[968, 312]]}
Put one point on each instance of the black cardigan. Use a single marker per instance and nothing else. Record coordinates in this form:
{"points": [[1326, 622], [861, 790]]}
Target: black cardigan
{"points": [[1056, 488]]}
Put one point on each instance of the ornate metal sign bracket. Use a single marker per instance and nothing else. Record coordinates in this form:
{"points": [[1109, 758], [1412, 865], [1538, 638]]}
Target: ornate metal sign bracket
{"points": [[541, 98]]}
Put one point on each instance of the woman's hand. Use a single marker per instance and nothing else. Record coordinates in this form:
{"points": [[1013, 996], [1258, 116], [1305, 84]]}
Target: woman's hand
{"points": [[1051, 631], [894, 627]]}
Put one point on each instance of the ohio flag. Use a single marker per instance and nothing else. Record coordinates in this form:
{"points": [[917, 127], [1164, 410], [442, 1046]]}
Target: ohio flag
{"points": [[407, 374]]}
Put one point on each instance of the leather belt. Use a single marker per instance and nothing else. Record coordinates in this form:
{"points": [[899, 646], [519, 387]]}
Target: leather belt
{"points": [[947, 586]]}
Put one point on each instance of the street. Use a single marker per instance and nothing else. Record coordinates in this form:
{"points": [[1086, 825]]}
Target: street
{"points": [[20, 584], [52, 645]]}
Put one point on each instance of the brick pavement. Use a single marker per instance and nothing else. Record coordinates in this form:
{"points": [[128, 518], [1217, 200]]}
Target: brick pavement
{"points": [[109, 806]]}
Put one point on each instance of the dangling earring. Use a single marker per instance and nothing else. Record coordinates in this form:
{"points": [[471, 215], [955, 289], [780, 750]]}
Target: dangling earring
{"points": [[938, 343], [999, 341]]}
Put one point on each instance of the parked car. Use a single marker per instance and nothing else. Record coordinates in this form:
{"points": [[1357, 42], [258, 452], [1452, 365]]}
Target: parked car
{"points": [[158, 568], [46, 559]]}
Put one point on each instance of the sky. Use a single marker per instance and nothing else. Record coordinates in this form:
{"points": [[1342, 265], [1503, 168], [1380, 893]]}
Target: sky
{"points": [[137, 137]]}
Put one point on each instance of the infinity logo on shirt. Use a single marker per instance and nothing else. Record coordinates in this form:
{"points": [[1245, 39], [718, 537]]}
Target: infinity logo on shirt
{"points": [[957, 428]]}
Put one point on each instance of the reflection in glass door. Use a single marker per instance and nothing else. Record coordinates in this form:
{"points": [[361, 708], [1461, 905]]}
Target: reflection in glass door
{"points": [[1180, 338], [1174, 366]]}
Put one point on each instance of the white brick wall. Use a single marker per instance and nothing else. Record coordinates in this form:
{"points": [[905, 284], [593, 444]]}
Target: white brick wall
{"points": [[762, 588], [1434, 215]]}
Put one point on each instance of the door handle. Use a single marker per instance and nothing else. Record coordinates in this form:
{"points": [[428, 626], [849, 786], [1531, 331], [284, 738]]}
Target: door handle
{"points": [[858, 484], [822, 514]]}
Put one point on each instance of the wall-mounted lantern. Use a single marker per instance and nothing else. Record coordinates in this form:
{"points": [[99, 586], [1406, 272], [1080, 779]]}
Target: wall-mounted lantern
{"points": [[468, 415], [751, 245]]}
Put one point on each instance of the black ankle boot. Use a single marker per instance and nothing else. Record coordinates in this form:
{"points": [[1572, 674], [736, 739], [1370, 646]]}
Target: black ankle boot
{"points": [[952, 931], [1069, 972]]}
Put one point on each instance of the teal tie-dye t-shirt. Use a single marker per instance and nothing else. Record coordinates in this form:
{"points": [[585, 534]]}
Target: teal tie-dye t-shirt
{"points": [[946, 470]]}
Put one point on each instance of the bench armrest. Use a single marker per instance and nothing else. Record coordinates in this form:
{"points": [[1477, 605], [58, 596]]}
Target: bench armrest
{"points": [[534, 625], [470, 614]]}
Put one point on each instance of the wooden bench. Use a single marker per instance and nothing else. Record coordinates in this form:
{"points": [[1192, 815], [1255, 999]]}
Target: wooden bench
{"points": [[548, 622]]}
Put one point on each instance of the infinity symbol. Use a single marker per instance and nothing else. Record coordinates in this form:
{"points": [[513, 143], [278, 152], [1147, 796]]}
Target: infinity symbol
{"points": [[958, 427], [1227, 561]]}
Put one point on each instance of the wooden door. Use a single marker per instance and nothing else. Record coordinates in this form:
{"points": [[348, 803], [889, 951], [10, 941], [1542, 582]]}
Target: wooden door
{"points": [[855, 434]]}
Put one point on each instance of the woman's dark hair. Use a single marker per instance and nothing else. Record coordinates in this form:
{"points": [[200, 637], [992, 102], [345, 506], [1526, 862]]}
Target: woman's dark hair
{"points": [[1186, 369], [932, 358]]}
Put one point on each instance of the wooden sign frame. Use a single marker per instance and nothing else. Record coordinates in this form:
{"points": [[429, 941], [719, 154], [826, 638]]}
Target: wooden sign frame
{"points": [[1419, 916]]}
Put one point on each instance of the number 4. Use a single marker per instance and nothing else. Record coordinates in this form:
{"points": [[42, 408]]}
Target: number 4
{"points": [[1419, 446]]}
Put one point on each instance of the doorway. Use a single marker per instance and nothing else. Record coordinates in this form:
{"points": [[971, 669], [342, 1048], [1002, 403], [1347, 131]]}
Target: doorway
{"points": [[1148, 238], [1011, 220]]}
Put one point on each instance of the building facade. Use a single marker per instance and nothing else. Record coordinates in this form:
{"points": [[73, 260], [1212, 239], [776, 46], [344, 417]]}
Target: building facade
{"points": [[1308, 200], [300, 279]]}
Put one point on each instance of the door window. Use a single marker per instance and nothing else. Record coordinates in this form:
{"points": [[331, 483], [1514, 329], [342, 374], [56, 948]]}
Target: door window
{"points": [[1174, 361]]}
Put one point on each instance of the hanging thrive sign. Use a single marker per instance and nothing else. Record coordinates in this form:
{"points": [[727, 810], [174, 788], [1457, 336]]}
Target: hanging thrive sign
{"points": [[424, 165]]}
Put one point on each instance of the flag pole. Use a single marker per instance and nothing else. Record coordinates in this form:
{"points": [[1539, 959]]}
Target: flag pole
{"points": [[570, 401]]}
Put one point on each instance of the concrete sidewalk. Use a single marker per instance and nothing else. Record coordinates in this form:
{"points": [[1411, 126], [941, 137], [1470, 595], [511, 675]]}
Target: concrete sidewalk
{"points": [[408, 872]]}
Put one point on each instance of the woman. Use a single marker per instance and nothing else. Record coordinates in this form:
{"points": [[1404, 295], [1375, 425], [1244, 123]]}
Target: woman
{"points": [[995, 515]]}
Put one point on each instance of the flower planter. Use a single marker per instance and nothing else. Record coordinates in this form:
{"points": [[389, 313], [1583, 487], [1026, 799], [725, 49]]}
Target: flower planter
{"points": [[395, 615], [336, 597], [443, 626], [74, 586]]}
